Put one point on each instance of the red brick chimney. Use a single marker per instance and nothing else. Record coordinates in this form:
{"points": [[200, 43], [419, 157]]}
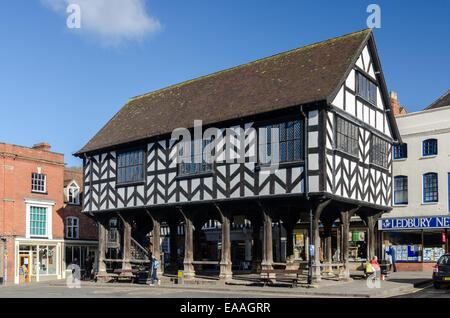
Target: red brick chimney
{"points": [[43, 146], [396, 105]]}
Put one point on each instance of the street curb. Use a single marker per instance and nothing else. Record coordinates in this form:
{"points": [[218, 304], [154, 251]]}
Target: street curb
{"points": [[379, 293]]}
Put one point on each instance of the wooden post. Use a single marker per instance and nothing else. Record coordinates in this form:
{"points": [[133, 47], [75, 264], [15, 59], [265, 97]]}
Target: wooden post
{"points": [[256, 247], [289, 227], [316, 260], [188, 272], [267, 260], [101, 269], [345, 220], [126, 253], [225, 260], [328, 256], [156, 251], [370, 237]]}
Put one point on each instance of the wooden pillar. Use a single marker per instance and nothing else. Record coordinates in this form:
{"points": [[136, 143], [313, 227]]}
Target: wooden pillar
{"points": [[126, 245], [197, 240], [101, 246], [225, 260], [156, 247], [328, 257], [339, 242], [256, 247], [316, 259], [188, 271], [267, 260], [345, 221]]}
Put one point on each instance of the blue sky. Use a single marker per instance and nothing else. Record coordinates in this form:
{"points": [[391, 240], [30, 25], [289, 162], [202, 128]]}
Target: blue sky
{"points": [[62, 85]]}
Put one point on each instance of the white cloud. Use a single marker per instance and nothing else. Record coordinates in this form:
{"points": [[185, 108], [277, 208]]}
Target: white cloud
{"points": [[113, 21]]}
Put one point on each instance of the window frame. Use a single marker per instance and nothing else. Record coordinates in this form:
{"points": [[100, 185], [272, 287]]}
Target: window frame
{"points": [[366, 87], [205, 169], [400, 151], [427, 189], [144, 166], [373, 159], [353, 139], [48, 204], [72, 226], [404, 189], [265, 143], [76, 199], [426, 145], [34, 182]]}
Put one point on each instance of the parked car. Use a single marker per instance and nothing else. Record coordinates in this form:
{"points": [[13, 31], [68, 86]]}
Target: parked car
{"points": [[441, 272]]}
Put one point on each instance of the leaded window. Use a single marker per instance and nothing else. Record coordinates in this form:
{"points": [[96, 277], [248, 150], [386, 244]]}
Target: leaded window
{"points": [[130, 167], [38, 221], [367, 89], [194, 160], [38, 182], [286, 137], [430, 187], [380, 152], [401, 190], [346, 136]]}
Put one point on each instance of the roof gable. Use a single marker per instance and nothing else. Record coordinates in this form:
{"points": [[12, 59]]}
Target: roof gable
{"points": [[304, 75], [443, 101]]}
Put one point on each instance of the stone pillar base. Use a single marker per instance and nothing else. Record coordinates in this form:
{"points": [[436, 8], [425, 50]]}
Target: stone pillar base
{"points": [[292, 266], [188, 271]]}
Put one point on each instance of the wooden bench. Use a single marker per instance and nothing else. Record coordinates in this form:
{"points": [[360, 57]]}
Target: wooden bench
{"points": [[118, 272], [265, 275]]}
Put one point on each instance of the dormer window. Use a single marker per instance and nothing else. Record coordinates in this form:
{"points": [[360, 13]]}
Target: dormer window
{"points": [[72, 193]]}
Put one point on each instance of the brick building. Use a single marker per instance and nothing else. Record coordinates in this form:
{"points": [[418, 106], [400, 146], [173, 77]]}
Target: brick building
{"points": [[34, 214]]}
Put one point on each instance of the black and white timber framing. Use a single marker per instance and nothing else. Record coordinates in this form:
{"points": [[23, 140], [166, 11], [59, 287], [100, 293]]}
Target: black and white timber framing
{"points": [[334, 184]]}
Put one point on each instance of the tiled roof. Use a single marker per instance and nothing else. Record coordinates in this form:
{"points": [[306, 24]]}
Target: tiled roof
{"points": [[443, 101], [307, 74]]}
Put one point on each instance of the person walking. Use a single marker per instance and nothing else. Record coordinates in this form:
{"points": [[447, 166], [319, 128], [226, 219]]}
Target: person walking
{"points": [[393, 257], [376, 267], [154, 266]]}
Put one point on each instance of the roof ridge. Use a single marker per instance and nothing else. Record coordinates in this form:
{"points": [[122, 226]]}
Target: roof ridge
{"points": [[245, 64]]}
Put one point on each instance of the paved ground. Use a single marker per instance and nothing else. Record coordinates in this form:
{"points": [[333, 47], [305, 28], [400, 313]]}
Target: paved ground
{"points": [[427, 292], [404, 284]]}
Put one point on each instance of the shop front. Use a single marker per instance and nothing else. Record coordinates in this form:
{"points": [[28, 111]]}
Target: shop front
{"points": [[37, 260], [418, 241], [76, 252]]}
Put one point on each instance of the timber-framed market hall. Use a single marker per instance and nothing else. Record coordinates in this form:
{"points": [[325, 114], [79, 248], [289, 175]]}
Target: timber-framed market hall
{"points": [[330, 104]]}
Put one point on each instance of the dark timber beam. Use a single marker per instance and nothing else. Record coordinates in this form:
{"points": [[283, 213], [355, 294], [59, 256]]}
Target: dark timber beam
{"points": [[188, 271], [345, 217], [319, 207], [225, 260], [156, 234]]}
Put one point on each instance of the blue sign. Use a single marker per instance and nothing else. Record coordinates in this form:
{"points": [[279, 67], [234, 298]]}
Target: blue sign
{"points": [[433, 222]]}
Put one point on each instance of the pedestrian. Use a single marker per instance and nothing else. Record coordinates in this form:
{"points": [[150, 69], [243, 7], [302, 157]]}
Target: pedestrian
{"points": [[154, 265], [388, 260], [376, 267], [89, 267], [394, 258]]}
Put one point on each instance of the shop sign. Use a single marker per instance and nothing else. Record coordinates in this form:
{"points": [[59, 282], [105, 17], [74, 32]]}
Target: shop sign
{"points": [[415, 223]]}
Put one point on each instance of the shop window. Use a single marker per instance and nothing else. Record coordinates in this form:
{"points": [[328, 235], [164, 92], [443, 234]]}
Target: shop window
{"points": [[401, 151], [401, 190], [112, 232], [346, 136], [430, 187], [357, 246], [430, 147]]}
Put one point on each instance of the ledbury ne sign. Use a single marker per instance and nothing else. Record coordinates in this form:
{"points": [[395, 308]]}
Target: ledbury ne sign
{"points": [[415, 223]]}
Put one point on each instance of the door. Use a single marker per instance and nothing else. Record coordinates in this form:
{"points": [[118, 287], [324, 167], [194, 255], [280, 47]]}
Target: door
{"points": [[24, 269]]}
